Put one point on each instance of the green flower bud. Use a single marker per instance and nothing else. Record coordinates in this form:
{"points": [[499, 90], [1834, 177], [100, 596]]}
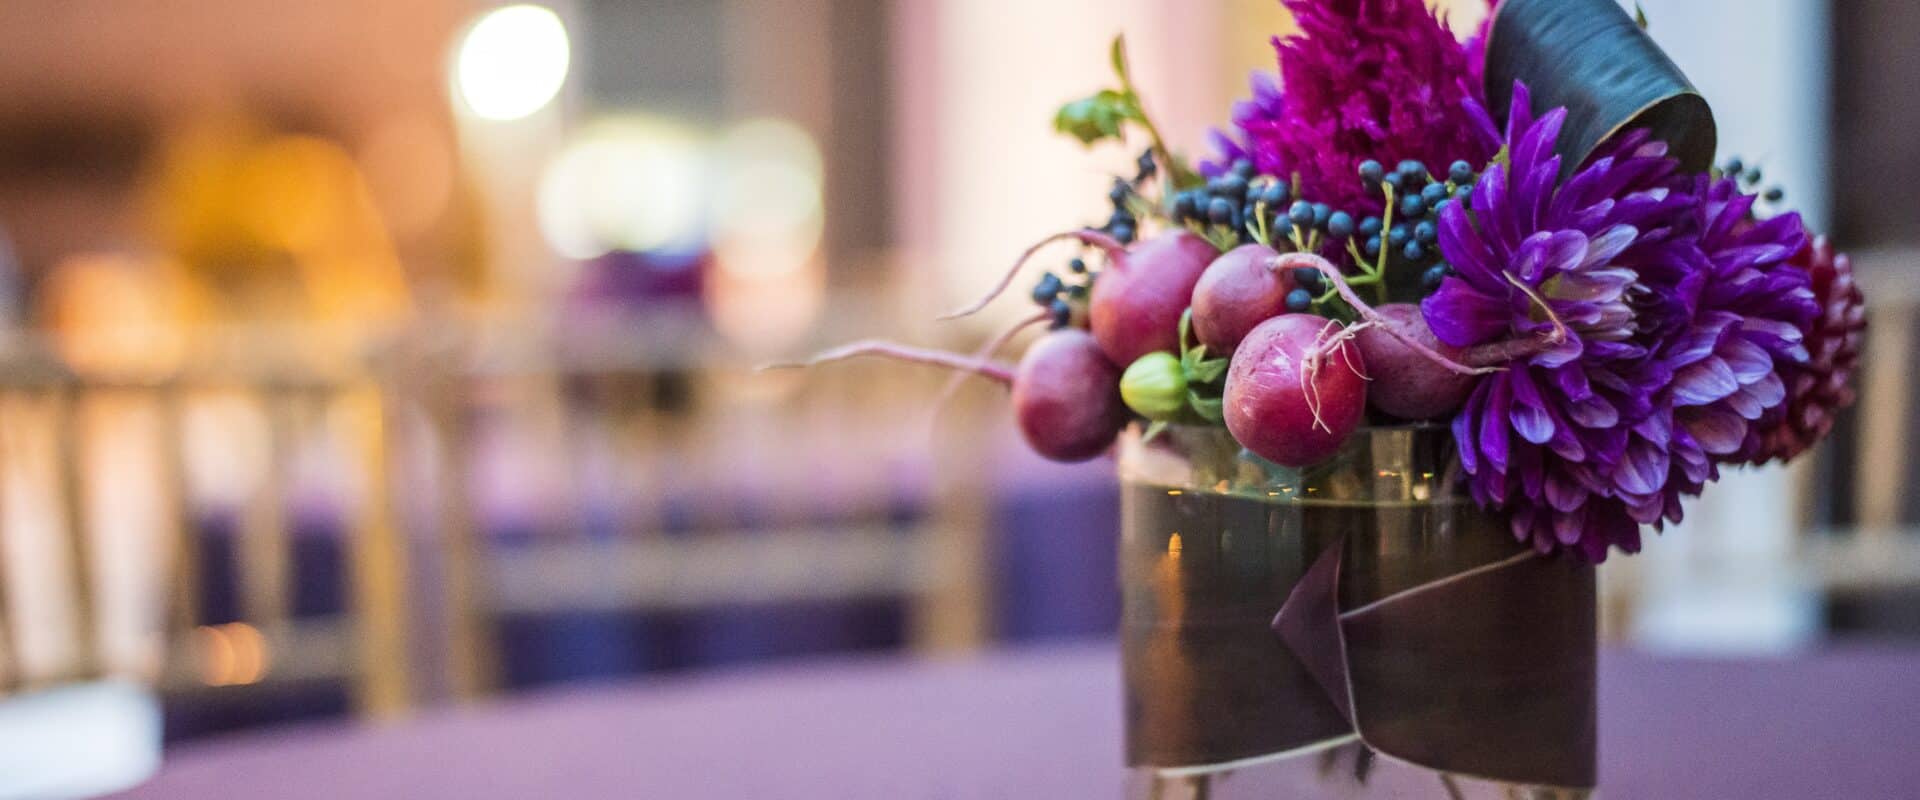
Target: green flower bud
{"points": [[1155, 387]]}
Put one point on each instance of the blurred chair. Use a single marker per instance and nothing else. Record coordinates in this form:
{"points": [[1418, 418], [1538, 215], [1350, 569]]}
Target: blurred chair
{"points": [[1860, 496], [78, 714], [603, 474], [117, 467]]}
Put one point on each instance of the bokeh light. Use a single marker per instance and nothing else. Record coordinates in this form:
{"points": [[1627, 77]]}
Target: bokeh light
{"points": [[625, 183], [512, 62], [768, 210]]}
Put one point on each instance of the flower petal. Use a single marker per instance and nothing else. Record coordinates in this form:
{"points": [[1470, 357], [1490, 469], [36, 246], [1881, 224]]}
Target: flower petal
{"points": [[1703, 382], [1717, 432], [1529, 415], [1462, 317]]}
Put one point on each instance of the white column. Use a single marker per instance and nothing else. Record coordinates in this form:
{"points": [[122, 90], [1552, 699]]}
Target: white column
{"points": [[1725, 579]]}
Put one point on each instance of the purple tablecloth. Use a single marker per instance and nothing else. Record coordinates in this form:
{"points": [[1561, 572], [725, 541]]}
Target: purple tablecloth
{"points": [[1037, 723]]}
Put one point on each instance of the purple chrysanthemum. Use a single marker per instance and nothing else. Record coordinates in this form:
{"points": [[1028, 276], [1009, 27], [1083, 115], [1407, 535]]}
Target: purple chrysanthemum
{"points": [[1365, 79], [1570, 439], [1749, 310]]}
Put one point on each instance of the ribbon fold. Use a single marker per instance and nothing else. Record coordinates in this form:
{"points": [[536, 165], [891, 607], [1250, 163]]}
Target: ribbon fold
{"points": [[1487, 673]]}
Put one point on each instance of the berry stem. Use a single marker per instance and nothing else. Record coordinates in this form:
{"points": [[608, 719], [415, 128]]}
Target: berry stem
{"points": [[985, 368], [1178, 175], [1087, 236]]}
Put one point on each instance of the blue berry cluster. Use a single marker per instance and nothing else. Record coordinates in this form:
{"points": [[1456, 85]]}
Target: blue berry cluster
{"points": [[1123, 225], [1420, 197], [1243, 200], [1232, 200], [1308, 283], [1749, 178], [1061, 296], [1237, 200]]}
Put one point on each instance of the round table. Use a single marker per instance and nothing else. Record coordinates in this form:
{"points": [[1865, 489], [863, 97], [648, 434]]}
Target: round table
{"points": [[1843, 722]]}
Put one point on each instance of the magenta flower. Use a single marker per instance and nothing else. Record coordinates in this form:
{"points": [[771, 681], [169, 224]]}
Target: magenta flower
{"points": [[1365, 79]]}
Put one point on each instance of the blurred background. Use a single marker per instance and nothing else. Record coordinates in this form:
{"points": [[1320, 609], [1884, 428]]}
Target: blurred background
{"points": [[365, 356]]}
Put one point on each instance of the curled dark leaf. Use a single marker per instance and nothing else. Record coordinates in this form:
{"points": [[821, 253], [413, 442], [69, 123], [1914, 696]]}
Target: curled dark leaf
{"points": [[1592, 58]]}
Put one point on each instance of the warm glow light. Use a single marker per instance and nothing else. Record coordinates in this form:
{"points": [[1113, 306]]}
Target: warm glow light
{"points": [[627, 183], [768, 216], [768, 212], [512, 62], [234, 654], [761, 314], [117, 313]]}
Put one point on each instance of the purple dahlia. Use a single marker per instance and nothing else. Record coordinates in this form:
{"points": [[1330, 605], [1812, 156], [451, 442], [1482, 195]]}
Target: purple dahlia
{"points": [[1365, 79], [1570, 439], [1749, 308]]}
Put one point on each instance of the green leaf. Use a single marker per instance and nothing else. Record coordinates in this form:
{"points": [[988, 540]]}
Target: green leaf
{"points": [[1209, 370], [1186, 327], [1117, 53], [1089, 120], [1154, 430], [1590, 57], [1223, 238], [1211, 409], [1639, 15]]}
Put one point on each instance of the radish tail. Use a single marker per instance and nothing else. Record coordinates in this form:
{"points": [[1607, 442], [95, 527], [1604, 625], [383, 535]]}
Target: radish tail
{"points": [[985, 368], [986, 353], [1088, 236], [1367, 313]]}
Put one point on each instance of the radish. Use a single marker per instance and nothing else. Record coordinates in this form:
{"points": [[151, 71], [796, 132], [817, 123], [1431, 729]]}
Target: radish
{"points": [[1406, 384], [1137, 300], [1066, 397], [1295, 390], [1066, 394], [1239, 290]]}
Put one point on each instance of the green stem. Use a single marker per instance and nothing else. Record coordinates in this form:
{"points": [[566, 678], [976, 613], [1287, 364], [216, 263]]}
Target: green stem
{"points": [[1386, 225], [1177, 172]]}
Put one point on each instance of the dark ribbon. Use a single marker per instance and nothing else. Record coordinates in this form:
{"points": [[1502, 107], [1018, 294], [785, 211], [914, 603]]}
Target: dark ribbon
{"points": [[1488, 672]]}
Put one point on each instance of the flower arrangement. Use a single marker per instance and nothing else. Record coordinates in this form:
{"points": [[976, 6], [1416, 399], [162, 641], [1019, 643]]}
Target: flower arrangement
{"points": [[1494, 233]]}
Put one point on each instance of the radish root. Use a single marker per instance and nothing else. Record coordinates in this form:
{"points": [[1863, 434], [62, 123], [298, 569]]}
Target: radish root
{"points": [[982, 367], [1367, 314], [1327, 340], [987, 352], [1088, 236]]}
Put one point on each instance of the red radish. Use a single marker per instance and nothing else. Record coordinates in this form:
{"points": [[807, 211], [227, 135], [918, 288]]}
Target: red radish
{"points": [[1066, 397], [1066, 394], [1239, 290], [1138, 299], [1295, 390], [1406, 383]]}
